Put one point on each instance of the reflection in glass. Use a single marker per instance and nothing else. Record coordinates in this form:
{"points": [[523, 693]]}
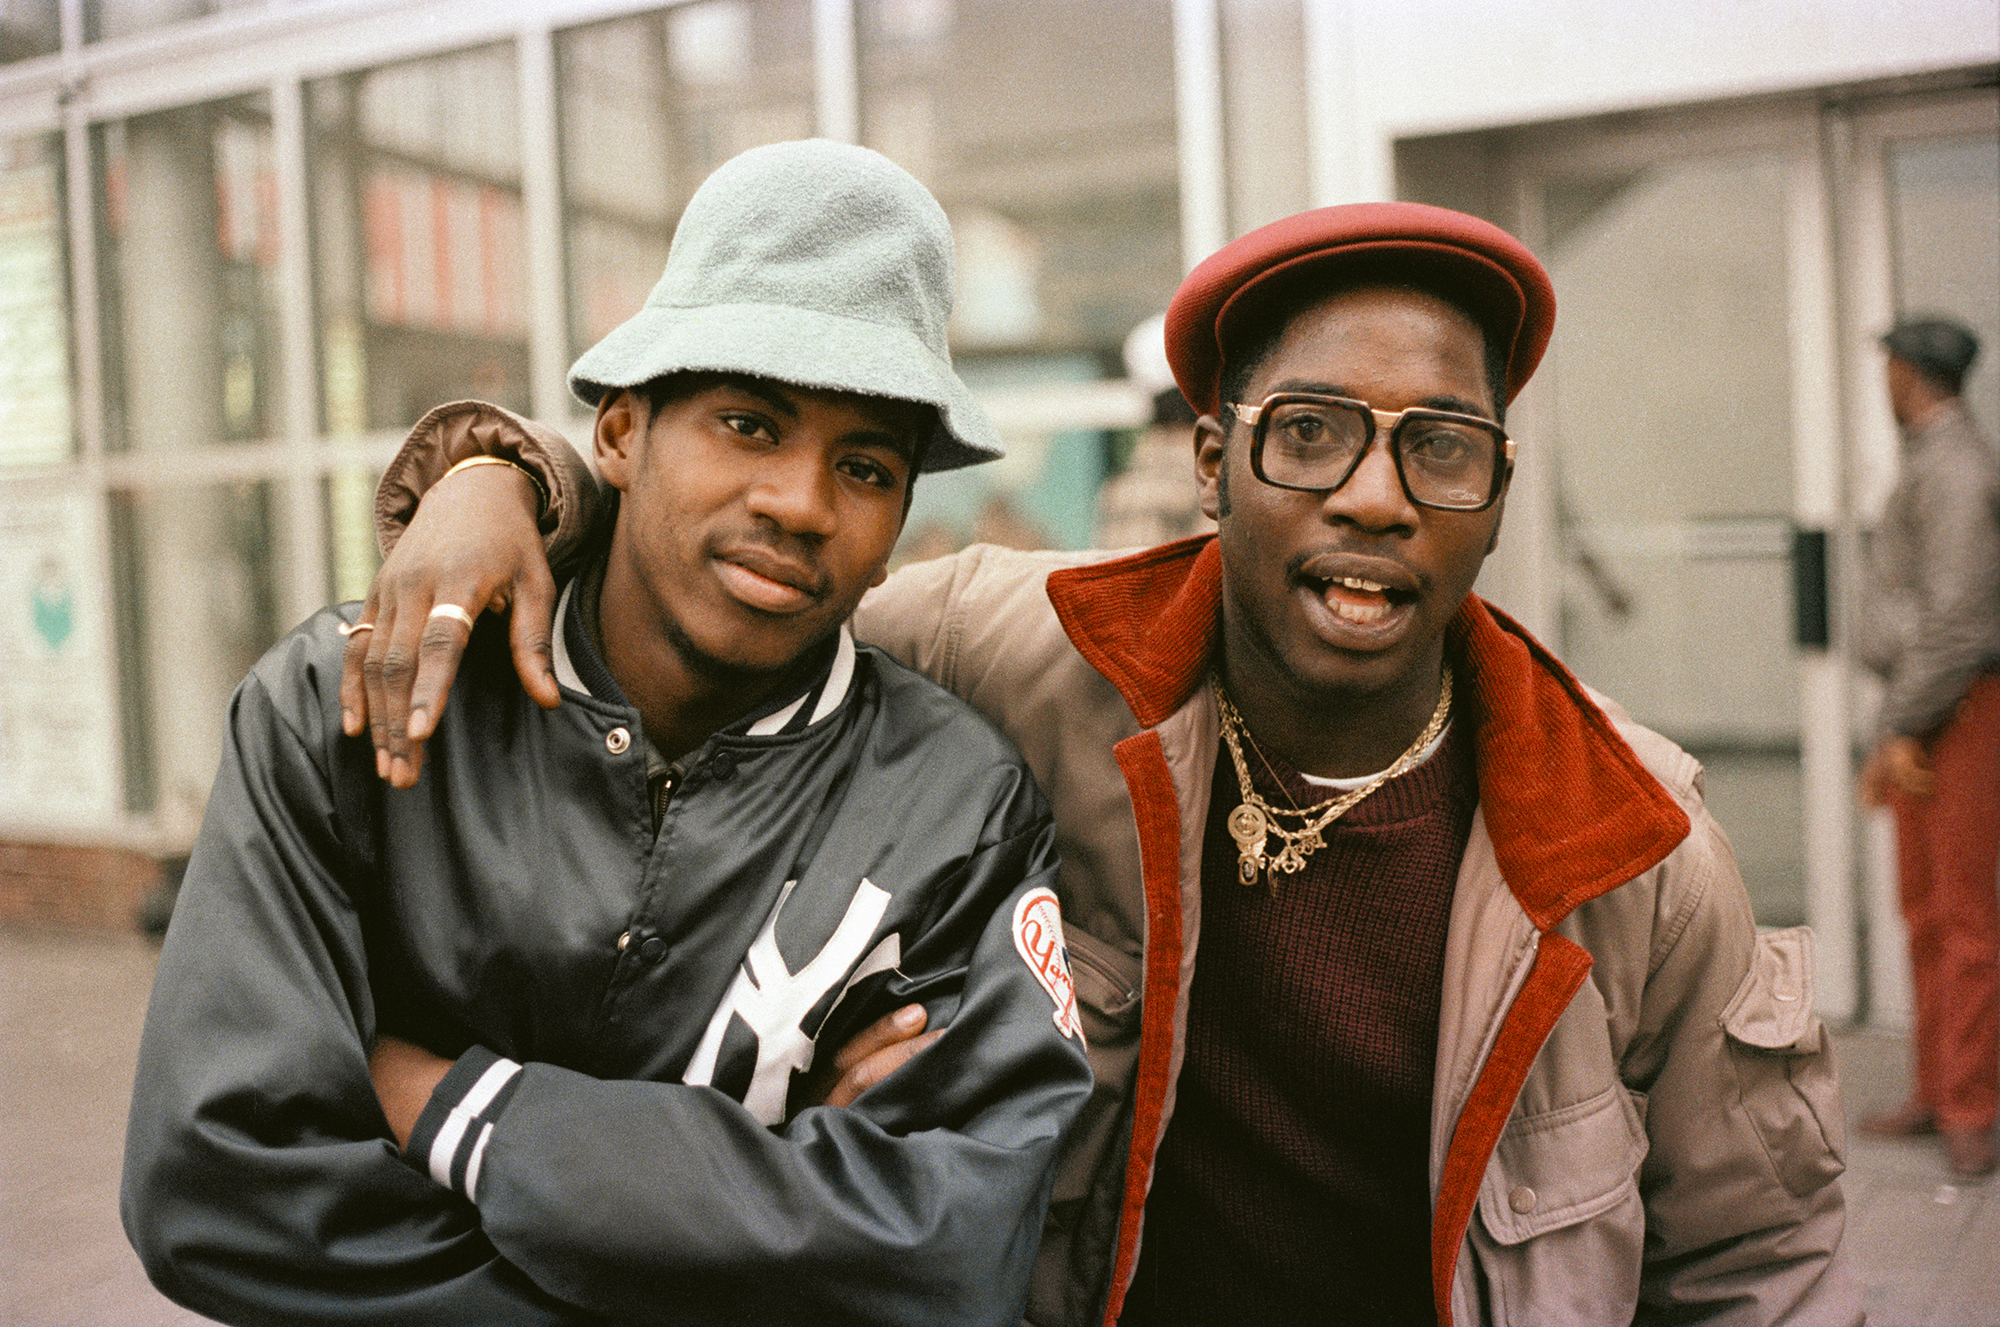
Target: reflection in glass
{"points": [[1670, 383], [106, 19], [29, 28], [348, 495], [36, 423], [650, 106], [1042, 494], [1064, 199], [196, 604], [1264, 103], [418, 241], [1944, 199], [1046, 128], [188, 271]]}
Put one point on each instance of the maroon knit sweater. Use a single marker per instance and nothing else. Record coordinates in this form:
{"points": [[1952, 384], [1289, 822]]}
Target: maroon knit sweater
{"points": [[1293, 1182]]}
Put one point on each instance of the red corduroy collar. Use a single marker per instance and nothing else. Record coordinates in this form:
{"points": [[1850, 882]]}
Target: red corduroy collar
{"points": [[1571, 810]]}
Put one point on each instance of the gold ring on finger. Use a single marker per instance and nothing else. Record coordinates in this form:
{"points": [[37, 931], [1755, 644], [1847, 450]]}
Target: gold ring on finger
{"points": [[454, 612]]}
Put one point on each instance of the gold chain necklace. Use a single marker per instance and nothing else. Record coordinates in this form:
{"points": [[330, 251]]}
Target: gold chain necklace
{"points": [[1253, 822]]}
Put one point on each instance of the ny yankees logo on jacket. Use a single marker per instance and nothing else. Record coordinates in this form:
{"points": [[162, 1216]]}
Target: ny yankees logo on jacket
{"points": [[768, 1003]]}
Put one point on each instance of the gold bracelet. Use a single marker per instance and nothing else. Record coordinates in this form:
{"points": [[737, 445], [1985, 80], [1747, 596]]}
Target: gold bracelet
{"points": [[541, 489]]}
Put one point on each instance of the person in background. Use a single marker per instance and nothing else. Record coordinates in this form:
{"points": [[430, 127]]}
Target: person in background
{"points": [[579, 968], [1153, 499], [1930, 626], [1421, 987]]}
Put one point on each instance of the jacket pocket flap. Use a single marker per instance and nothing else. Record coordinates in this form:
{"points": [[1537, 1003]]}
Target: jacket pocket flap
{"points": [[1773, 1009], [1562, 1166], [1106, 980]]}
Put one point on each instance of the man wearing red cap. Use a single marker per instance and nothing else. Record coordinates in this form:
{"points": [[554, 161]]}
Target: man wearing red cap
{"points": [[1419, 984]]}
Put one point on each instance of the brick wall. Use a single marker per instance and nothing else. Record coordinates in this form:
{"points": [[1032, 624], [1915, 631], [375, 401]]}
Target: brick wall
{"points": [[74, 887]]}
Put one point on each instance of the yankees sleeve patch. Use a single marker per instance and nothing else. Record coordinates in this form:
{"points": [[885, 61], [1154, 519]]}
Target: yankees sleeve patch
{"points": [[1039, 938]]}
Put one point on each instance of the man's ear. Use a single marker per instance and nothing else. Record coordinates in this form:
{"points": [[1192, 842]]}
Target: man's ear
{"points": [[620, 435], [1211, 451]]}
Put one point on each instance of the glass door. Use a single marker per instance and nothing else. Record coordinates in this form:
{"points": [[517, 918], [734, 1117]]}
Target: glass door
{"points": [[1709, 443], [1684, 425], [1920, 195]]}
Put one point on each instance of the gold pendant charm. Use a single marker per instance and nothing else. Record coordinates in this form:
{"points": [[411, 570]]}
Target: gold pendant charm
{"points": [[1249, 828]]}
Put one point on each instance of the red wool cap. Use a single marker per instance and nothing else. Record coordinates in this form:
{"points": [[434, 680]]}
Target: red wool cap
{"points": [[1473, 262]]}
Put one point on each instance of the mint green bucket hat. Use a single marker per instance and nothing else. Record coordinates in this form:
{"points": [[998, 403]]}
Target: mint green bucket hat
{"points": [[819, 264]]}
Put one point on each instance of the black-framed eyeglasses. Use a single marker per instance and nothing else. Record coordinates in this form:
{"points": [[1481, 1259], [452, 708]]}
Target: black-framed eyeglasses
{"points": [[1314, 444]]}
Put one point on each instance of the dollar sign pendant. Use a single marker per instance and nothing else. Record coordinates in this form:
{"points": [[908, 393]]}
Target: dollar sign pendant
{"points": [[1249, 828]]}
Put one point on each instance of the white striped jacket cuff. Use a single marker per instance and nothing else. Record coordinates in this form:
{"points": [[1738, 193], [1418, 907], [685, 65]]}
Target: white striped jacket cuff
{"points": [[450, 1137]]}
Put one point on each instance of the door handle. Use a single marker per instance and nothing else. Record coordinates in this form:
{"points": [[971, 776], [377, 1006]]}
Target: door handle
{"points": [[1810, 629]]}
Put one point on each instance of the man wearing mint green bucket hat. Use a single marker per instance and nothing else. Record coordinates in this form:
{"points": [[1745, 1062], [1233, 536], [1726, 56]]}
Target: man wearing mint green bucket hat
{"points": [[811, 263], [543, 1016]]}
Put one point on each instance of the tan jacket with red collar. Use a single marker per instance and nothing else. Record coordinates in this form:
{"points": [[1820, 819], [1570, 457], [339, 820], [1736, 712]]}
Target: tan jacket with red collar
{"points": [[1635, 1114]]}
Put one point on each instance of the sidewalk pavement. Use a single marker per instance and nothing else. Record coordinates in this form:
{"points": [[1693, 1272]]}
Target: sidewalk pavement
{"points": [[1926, 1251], [1926, 1248]]}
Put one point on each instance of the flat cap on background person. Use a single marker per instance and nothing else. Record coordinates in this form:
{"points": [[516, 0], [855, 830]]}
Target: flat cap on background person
{"points": [[1943, 349]]}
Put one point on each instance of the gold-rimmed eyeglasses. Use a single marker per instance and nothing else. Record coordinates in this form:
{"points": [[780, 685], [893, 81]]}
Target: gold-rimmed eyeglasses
{"points": [[1313, 443]]}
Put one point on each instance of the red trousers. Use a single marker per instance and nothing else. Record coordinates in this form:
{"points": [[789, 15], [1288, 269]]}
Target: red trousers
{"points": [[1948, 849]]}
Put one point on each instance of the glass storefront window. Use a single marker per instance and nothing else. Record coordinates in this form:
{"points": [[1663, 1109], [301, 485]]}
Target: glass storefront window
{"points": [[1046, 128], [107, 19], [1042, 494], [188, 269], [650, 106], [196, 605], [1264, 78], [58, 716], [419, 251], [29, 28], [347, 498], [36, 417], [1944, 200]]}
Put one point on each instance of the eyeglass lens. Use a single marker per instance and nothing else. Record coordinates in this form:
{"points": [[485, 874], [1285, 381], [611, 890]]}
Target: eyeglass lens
{"points": [[1315, 444]]}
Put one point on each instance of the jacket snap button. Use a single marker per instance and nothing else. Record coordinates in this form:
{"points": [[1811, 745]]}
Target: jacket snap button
{"points": [[723, 765], [617, 741], [1523, 1199], [652, 949]]}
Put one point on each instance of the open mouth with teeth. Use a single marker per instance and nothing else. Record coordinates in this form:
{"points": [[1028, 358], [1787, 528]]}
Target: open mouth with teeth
{"points": [[1363, 602]]}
